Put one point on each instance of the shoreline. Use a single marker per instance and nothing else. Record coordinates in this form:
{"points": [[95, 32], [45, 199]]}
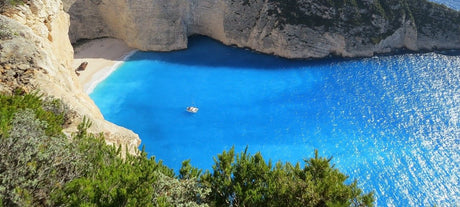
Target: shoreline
{"points": [[104, 56]]}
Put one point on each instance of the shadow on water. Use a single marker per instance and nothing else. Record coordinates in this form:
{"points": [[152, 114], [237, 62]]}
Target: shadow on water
{"points": [[207, 52], [218, 55], [381, 118]]}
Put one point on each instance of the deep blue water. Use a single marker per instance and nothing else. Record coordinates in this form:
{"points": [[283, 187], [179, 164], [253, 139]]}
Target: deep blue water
{"points": [[392, 122]]}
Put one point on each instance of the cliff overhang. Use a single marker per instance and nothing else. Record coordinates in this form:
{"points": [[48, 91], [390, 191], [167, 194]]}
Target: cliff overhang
{"points": [[36, 51], [36, 55], [287, 28]]}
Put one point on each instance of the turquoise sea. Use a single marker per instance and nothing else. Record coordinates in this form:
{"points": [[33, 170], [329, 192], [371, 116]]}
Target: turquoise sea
{"points": [[391, 122]]}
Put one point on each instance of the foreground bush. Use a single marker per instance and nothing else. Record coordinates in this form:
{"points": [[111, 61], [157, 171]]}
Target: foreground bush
{"points": [[32, 164], [247, 180], [40, 166], [133, 181], [35, 156]]}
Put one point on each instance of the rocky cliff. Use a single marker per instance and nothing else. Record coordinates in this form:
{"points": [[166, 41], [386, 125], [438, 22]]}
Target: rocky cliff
{"points": [[36, 54], [288, 28]]}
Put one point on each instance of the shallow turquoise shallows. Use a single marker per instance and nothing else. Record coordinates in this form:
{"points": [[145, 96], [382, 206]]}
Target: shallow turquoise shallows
{"points": [[392, 122]]}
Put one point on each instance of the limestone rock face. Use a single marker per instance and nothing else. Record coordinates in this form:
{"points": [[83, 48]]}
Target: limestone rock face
{"points": [[36, 54], [159, 23], [35, 51], [47, 20], [288, 28], [209, 21], [90, 24]]}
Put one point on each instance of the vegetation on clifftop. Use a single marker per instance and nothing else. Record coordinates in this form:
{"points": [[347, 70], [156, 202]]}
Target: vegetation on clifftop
{"points": [[12, 2], [369, 20], [7, 3], [40, 166]]}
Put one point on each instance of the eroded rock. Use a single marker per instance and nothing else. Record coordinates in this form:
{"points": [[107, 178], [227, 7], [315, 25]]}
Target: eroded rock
{"points": [[32, 61], [288, 28]]}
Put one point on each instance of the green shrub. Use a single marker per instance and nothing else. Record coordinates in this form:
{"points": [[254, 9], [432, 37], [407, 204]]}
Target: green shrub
{"points": [[249, 181], [51, 111], [13, 2], [134, 181], [33, 164], [40, 166], [4, 4]]}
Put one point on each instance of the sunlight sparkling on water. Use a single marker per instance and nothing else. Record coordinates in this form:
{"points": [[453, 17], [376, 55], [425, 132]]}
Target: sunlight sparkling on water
{"points": [[392, 122]]}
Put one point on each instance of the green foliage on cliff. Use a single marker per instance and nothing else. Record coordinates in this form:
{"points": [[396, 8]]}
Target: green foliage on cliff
{"points": [[35, 157], [40, 166], [13, 2], [430, 17], [4, 4], [133, 181], [371, 21], [50, 111], [247, 180]]}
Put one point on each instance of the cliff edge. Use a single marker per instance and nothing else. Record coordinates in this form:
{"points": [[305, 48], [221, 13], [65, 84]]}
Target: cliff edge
{"points": [[287, 28], [36, 55]]}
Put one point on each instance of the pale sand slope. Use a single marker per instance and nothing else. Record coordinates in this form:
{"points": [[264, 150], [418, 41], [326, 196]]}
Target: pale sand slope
{"points": [[103, 57]]}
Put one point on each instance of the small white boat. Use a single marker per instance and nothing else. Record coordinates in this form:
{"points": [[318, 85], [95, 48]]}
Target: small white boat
{"points": [[192, 109]]}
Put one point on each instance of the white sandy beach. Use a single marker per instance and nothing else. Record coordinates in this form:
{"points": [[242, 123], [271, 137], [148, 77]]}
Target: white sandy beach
{"points": [[103, 57]]}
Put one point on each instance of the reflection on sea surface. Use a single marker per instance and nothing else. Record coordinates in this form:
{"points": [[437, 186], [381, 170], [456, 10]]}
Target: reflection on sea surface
{"points": [[392, 122]]}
